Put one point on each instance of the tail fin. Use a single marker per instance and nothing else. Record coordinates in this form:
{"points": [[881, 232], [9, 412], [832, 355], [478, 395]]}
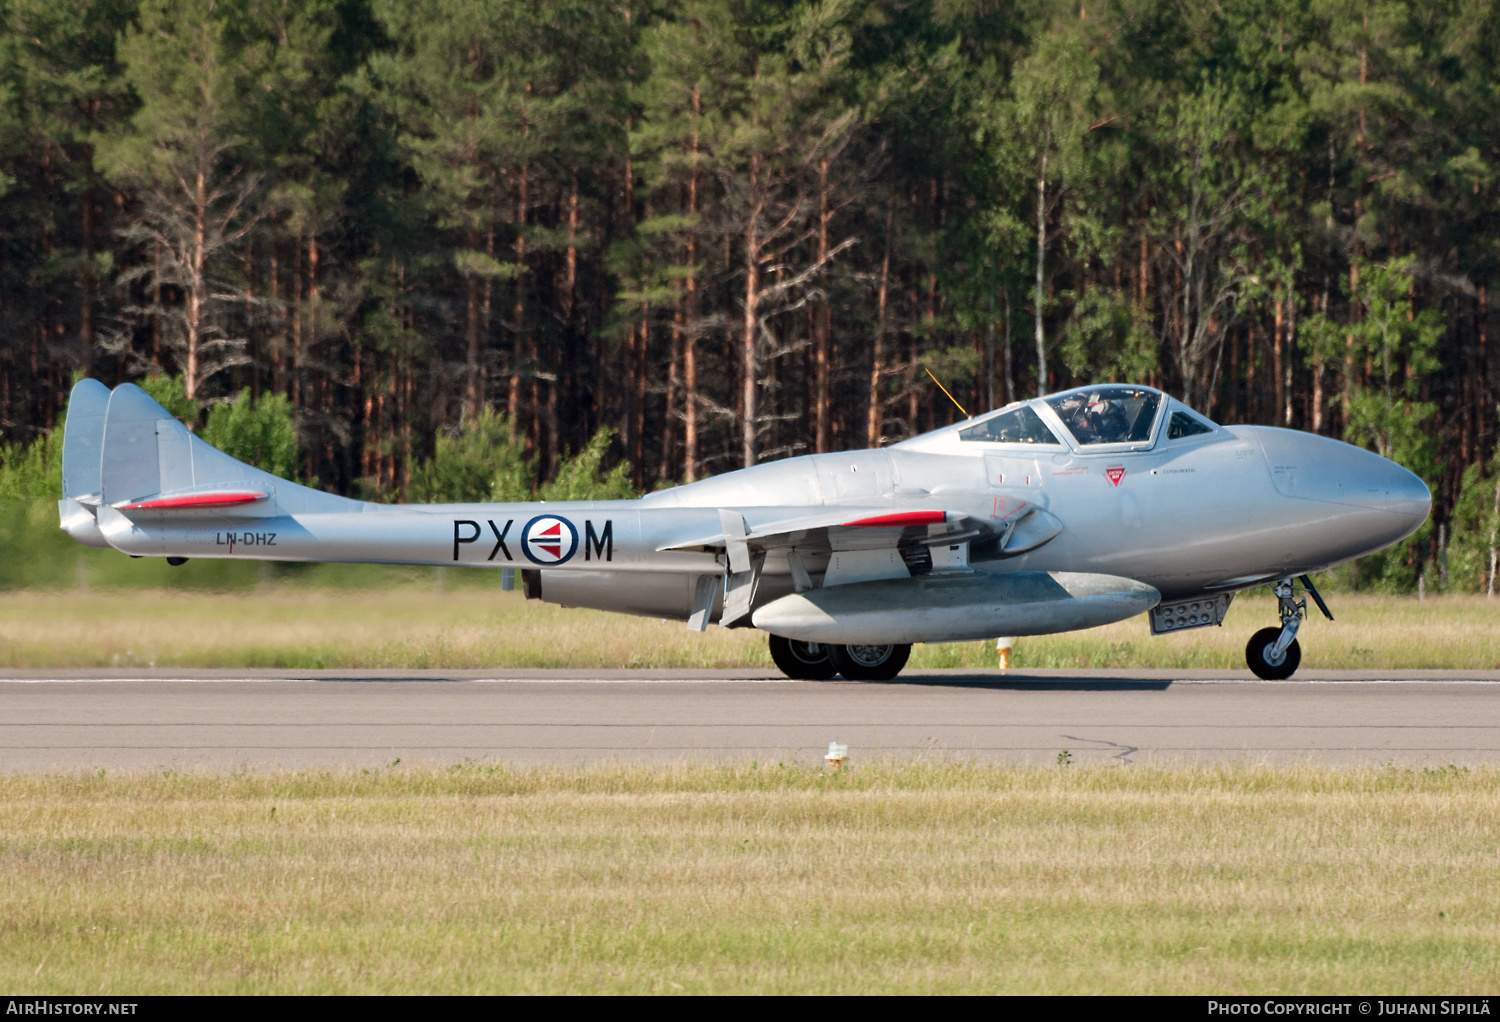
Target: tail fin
{"points": [[122, 450], [83, 439], [150, 461], [83, 444]]}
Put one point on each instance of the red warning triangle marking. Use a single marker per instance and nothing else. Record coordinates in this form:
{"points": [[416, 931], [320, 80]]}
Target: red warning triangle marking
{"points": [[556, 530], [1115, 475]]}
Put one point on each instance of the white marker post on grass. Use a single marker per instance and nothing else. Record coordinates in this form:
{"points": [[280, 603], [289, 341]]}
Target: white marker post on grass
{"points": [[1003, 646]]}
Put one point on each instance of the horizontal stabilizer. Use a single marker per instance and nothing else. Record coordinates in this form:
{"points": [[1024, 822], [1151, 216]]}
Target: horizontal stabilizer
{"points": [[149, 461], [196, 501]]}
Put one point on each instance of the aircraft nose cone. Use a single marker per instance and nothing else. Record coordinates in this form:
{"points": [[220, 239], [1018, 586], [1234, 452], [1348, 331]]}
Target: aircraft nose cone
{"points": [[1405, 494], [1317, 468]]}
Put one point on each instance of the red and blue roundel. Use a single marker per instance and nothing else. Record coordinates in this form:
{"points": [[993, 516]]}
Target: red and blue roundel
{"points": [[549, 540]]}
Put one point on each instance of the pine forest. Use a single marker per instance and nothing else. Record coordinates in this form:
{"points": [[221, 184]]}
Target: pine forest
{"points": [[491, 249]]}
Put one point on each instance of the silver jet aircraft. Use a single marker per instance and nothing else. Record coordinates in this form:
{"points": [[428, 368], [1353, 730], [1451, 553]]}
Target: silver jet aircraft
{"points": [[1079, 509]]}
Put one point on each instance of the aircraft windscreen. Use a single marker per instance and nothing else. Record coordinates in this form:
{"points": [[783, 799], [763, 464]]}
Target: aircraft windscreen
{"points": [[1021, 426], [1108, 415]]}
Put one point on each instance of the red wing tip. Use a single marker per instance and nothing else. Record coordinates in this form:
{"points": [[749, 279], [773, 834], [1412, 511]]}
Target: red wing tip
{"points": [[194, 500], [904, 518]]}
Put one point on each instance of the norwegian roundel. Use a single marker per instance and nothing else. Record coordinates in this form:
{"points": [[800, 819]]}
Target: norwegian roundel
{"points": [[549, 540]]}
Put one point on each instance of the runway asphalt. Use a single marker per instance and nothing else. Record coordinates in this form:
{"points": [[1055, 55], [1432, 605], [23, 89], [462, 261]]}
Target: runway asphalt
{"points": [[186, 719]]}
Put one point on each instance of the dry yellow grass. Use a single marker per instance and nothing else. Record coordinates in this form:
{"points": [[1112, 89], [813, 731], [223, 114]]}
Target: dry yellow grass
{"points": [[415, 626], [889, 878]]}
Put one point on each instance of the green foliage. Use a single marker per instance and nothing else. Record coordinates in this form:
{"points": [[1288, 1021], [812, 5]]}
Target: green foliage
{"points": [[32, 473], [579, 477], [1108, 338], [1385, 410], [258, 432], [1387, 414], [171, 393], [1475, 525], [485, 460]]}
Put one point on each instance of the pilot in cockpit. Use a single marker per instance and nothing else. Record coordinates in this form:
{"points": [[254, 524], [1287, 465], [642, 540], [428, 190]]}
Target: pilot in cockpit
{"points": [[1111, 414], [1093, 419], [1106, 418]]}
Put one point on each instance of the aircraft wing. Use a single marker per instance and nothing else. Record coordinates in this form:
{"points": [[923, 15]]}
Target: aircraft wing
{"points": [[1016, 526]]}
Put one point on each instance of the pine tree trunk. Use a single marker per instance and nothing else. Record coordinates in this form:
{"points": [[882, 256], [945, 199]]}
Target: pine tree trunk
{"points": [[1286, 372], [314, 294], [1276, 355], [564, 387], [471, 338], [674, 389], [752, 318], [195, 283], [252, 347], [520, 341], [876, 415], [1010, 380], [690, 316], [297, 313], [1041, 255], [156, 307], [1486, 407], [822, 325], [638, 397], [87, 283], [486, 313], [1317, 388]]}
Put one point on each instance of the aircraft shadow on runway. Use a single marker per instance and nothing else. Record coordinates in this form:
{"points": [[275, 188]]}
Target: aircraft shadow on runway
{"points": [[1010, 682], [1034, 683]]}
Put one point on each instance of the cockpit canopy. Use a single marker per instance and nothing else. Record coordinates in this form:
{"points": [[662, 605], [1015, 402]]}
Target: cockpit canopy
{"points": [[1018, 426], [1109, 414], [1103, 417]]}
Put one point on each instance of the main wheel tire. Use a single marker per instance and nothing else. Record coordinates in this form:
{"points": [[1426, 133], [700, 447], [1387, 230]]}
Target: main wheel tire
{"points": [[1257, 656], [869, 663], [805, 661]]}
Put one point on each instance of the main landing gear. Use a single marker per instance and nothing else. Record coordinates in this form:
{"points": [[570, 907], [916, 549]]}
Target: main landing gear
{"points": [[812, 661], [1274, 653]]}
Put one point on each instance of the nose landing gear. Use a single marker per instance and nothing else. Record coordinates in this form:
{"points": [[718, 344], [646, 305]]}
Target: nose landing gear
{"points": [[1274, 653]]}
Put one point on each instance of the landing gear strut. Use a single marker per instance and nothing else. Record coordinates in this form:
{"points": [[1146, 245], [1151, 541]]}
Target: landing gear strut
{"points": [[1274, 653]]}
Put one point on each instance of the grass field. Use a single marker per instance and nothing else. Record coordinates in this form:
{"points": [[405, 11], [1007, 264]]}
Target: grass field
{"points": [[426, 621], [888, 878]]}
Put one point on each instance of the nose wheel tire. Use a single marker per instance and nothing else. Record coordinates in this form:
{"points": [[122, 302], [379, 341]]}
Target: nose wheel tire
{"points": [[804, 661], [1257, 655], [869, 663]]}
